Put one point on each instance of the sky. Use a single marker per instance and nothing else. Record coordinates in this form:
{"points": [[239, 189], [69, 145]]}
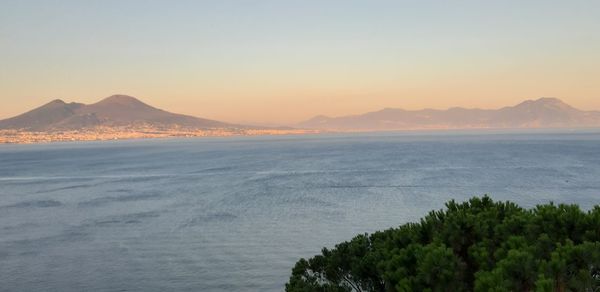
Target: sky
{"points": [[281, 62]]}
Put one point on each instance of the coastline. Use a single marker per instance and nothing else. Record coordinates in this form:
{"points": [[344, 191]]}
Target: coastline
{"points": [[24, 137], [108, 133]]}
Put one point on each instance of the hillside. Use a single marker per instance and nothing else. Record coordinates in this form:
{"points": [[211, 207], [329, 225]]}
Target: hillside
{"points": [[540, 113], [113, 111]]}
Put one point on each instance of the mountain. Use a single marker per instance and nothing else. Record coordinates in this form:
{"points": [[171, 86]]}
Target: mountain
{"points": [[540, 113], [113, 111]]}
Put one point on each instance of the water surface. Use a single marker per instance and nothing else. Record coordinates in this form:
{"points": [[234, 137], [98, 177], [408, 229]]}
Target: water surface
{"points": [[235, 214]]}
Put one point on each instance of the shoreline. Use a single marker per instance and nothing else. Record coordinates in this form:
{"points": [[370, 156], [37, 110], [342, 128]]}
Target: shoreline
{"points": [[23, 137], [16, 137]]}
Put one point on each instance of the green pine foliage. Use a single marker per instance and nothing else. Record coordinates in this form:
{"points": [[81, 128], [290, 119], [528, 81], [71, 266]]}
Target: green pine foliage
{"points": [[479, 245]]}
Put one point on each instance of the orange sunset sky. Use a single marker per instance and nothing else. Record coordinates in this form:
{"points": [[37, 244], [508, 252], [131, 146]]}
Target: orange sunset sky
{"points": [[281, 62]]}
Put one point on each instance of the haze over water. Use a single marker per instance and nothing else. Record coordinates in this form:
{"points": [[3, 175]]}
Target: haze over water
{"points": [[235, 214]]}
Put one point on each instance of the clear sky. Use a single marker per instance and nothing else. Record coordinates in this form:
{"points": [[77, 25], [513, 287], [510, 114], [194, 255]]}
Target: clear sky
{"points": [[277, 61]]}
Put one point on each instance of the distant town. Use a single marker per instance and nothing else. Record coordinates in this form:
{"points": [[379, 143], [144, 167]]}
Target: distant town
{"points": [[120, 133]]}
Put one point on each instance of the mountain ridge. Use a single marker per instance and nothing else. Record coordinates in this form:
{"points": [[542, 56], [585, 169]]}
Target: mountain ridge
{"points": [[114, 111], [126, 111], [544, 112]]}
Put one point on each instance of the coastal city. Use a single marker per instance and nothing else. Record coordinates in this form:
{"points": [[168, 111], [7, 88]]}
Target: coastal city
{"points": [[138, 132]]}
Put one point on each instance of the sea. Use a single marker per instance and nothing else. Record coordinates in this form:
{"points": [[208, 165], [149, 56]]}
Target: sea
{"points": [[235, 214]]}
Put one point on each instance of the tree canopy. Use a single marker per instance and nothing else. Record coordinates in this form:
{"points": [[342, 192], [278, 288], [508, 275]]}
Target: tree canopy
{"points": [[478, 245]]}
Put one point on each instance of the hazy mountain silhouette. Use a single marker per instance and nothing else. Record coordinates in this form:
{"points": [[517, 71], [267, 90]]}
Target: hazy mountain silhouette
{"points": [[116, 110], [541, 113]]}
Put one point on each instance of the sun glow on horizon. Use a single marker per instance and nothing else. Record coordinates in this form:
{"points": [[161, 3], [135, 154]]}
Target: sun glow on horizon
{"points": [[281, 62]]}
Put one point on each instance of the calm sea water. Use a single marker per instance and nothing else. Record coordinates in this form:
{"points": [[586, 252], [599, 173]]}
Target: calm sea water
{"points": [[235, 214]]}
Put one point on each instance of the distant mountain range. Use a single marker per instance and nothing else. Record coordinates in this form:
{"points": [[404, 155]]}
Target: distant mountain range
{"points": [[540, 113], [113, 111], [120, 111]]}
